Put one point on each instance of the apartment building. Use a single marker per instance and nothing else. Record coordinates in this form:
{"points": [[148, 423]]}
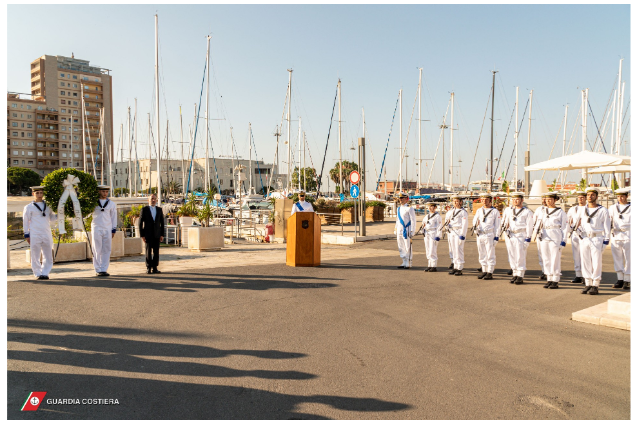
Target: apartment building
{"points": [[72, 118]]}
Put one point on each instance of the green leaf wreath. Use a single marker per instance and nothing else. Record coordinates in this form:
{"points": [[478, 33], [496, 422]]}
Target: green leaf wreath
{"points": [[86, 191]]}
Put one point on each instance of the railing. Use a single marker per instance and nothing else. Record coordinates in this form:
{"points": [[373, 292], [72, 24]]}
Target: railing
{"points": [[335, 214]]}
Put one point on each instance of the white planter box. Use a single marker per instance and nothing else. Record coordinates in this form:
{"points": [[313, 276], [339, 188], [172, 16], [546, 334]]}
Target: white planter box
{"points": [[201, 239], [117, 248], [188, 221], [133, 246], [68, 252]]}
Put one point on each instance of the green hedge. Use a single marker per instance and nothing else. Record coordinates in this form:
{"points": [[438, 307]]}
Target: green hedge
{"points": [[86, 191]]}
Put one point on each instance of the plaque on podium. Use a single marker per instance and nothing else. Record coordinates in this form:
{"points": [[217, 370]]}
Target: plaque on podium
{"points": [[303, 239]]}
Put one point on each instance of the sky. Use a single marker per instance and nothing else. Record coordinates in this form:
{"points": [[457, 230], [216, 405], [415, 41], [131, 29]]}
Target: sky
{"points": [[375, 50]]}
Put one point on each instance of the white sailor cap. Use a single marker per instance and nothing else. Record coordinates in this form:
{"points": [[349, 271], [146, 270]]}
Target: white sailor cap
{"points": [[37, 188], [579, 193], [624, 190], [596, 190], [402, 194], [457, 196], [552, 194], [516, 194], [103, 187], [486, 195]]}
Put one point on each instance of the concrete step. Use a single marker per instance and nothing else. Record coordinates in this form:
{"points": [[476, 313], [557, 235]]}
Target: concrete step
{"points": [[338, 239], [620, 305], [601, 315]]}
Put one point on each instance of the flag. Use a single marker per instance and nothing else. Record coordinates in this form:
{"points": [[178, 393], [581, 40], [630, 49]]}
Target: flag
{"points": [[33, 401]]}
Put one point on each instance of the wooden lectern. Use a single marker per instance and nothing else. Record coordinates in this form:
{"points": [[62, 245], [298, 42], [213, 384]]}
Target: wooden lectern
{"points": [[303, 239]]}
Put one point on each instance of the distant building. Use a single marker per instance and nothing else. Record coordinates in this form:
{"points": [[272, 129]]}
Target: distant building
{"points": [[58, 124]]}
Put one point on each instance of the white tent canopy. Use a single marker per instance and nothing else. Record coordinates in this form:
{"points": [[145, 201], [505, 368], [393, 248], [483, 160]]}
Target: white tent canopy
{"points": [[610, 169], [581, 160]]}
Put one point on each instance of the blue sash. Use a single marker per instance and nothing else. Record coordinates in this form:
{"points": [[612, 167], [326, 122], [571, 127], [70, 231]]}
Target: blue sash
{"points": [[404, 227], [300, 208]]}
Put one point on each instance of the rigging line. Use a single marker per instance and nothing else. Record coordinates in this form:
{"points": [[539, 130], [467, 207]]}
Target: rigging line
{"points": [[327, 144], [408, 131], [607, 110], [518, 131], [543, 121], [504, 142], [441, 135], [218, 183], [479, 139], [274, 164], [570, 146], [553, 145], [602, 143], [387, 143], [257, 166], [304, 110], [194, 141], [503, 88]]}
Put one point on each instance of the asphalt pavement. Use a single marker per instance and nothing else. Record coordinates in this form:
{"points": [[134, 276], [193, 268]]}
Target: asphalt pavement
{"points": [[355, 338]]}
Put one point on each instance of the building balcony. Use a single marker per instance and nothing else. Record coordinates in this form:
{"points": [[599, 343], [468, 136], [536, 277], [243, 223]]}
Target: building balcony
{"points": [[49, 148], [47, 130], [46, 120], [92, 108], [48, 166]]}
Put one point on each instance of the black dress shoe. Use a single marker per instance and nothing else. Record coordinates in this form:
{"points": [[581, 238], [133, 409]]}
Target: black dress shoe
{"points": [[513, 279], [578, 280], [433, 269], [39, 277], [45, 277], [156, 271], [509, 272], [401, 266], [555, 285], [619, 284], [482, 275], [519, 280], [586, 289], [105, 274], [547, 284], [626, 285], [480, 270], [543, 277], [488, 276], [427, 269], [452, 271], [451, 266], [148, 271], [593, 290], [458, 272]]}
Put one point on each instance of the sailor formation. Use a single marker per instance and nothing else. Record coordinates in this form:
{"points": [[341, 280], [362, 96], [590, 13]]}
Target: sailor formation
{"points": [[37, 217], [589, 226]]}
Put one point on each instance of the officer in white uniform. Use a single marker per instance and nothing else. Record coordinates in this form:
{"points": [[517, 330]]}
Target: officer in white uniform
{"points": [[103, 229], [517, 224], [302, 205], [457, 228], [447, 216], [595, 234], [573, 222], [432, 227], [552, 232], [405, 230], [36, 222], [537, 217], [620, 215], [486, 223]]}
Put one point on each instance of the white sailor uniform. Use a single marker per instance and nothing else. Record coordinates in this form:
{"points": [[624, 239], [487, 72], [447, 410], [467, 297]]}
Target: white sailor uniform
{"points": [[405, 229], [537, 219], [486, 223], [620, 216], [302, 206], [595, 236], [36, 222], [447, 216], [552, 240], [103, 226], [432, 224], [517, 223], [573, 214], [458, 227]]}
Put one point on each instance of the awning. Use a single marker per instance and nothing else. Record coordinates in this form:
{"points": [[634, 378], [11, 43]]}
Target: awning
{"points": [[581, 160]]}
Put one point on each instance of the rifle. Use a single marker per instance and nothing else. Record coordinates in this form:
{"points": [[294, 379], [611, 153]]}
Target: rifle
{"points": [[446, 224], [537, 230], [504, 227]]}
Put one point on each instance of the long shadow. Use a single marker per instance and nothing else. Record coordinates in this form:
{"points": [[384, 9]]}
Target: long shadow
{"points": [[154, 399], [96, 329]]}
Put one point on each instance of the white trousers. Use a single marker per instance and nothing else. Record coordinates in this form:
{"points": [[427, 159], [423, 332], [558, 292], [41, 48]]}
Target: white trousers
{"points": [[431, 250], [486, 249], [102, 242], [457, 249], [405, 248], [576, 254], [450, 248], [622, 262], [540, 256], [509, 248], [592, 260], [517, 251], [551, 252], [41, 245]]}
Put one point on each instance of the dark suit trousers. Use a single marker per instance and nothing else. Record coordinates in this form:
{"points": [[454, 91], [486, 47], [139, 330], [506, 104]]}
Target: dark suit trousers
{"points": [[152, 252]]}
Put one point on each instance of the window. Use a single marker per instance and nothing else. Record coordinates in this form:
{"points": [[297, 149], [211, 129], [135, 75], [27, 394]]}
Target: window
{"points": [[76, 163], [52, 153], [63, 101], [15, 143], [22, 125], [74, 94], [96, 79], [29, 153], [62, 84], [63, 163], [14, 105], [29, 134], [85, 78], [22, 134], [15, 153], [63, 155], [22, 115], [22, 162], [29, 116], [14, 124], [62, 75], [75, 104], [86, 96], [15, 162], [30, 162], [63, 119], [29, 126], [88, 155], [63, 93], [14, 133], [22, 143], [15, 115], [40, 108], [22, 152], [30, 144], [74, 77], [28, 107], [63, 111], [76, 155], [40, 135], [63, 137], [97, 97]]}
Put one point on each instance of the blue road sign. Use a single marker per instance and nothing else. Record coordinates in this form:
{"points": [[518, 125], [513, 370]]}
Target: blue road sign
{"points": [[355, 191]]}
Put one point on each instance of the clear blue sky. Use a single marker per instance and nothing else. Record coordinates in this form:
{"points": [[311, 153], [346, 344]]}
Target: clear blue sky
{"points": [[374, 49]]}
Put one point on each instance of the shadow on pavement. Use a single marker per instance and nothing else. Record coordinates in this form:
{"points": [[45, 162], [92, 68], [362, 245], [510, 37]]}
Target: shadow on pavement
{"points": [[153, 399]]}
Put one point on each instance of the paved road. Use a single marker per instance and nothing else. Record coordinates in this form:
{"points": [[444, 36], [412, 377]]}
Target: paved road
{"points": [[353, 339]]}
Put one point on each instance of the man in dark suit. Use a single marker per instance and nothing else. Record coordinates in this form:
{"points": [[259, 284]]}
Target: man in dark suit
{"points": [[151, 230]]}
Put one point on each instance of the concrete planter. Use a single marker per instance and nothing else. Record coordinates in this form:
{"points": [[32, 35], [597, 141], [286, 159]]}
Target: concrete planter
{"points": [[117, 248], [68, 252], [133, 246], [202, 239]]}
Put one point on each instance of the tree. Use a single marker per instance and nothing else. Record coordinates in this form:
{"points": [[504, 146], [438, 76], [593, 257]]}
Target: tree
{"points": [[504, 186], [582, 184], [174, 187], [347, 167], [309, 174], [120, 190], [21, 179]]}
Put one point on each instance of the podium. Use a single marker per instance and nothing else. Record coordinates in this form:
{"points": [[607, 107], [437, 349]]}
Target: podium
{"points": [[303, 239]]}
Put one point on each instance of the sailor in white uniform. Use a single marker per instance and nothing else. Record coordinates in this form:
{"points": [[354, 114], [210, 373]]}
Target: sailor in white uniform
{"points": [[486, 223], [595, 234], [457, 219], [620, 215], [537, 217], [575, 238], [302, 205], [103, 229], [432, 227], [551, 233], [517, 224], [447, 216], [36, 222], [405, 230]]}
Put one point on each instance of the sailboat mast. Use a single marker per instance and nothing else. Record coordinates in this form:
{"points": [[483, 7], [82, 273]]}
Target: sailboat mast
{"points": [[157, 108], [516, 139], [527, 161], [300, 134], [419, 131], [289, 132], [451, 139], [101, 137], [149, 157], [136, 158], [304, 161], [129, 153], [250, 170], [620, 106], [207, 117], [340, 184], [492, 126], [182, 158], [400, 151], [565, 128]]}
